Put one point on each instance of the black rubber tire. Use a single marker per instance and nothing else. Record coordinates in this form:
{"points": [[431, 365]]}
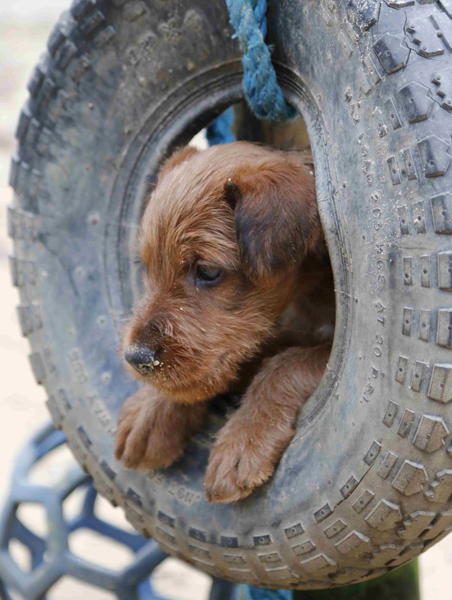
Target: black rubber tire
{"points": [[366, 484]]}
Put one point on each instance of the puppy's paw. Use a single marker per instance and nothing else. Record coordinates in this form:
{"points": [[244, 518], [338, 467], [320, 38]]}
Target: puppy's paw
{"points": [[146, 436], [238, 464]]}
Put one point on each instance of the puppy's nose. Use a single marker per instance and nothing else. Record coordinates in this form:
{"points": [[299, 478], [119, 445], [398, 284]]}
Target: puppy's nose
{"points": [[142, 359]]}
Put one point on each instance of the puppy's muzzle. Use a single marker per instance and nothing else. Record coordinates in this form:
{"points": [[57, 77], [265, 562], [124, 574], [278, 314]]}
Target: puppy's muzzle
{"points": [[142, 359]]}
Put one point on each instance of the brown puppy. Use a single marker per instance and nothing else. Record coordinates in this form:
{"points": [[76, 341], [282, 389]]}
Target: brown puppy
{"points": [[237, 298]]}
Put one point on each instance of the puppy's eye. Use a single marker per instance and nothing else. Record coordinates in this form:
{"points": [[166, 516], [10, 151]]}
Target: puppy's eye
{"points": [[207, 274]]}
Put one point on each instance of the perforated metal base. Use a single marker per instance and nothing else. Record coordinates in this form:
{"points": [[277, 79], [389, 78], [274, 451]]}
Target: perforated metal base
{"points": [[51, 558]]}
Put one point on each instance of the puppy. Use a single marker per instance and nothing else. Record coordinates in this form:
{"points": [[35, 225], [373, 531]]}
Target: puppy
{"points": [[238, 298]]}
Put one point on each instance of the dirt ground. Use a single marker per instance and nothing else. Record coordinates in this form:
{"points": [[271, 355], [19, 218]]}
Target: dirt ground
{"points": [[24, 28]]}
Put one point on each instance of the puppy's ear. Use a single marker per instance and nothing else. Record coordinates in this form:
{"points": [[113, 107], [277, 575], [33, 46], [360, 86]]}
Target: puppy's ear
{"points": [[276, 216], [178, 157]]}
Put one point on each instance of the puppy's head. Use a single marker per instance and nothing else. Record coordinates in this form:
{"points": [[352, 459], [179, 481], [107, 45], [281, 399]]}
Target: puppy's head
{"points": [[223, 237]]}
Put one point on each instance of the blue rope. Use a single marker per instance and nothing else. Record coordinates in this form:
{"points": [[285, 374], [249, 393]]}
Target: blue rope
{"points": [[264, 96], [219, 131], [262, 92], [248, 592]]}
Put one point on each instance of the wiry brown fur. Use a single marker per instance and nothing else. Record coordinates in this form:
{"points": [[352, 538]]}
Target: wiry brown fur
{"points": [[251, 211]]}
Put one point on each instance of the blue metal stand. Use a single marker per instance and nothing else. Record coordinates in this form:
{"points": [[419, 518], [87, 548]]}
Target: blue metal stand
{"points": [[51, 557]]}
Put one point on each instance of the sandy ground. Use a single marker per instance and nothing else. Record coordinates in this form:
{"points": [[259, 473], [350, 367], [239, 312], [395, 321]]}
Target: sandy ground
{"points": [[24, 27]]}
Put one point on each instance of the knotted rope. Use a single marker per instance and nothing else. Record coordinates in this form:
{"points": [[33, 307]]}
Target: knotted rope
{"points": [[262, 92]]}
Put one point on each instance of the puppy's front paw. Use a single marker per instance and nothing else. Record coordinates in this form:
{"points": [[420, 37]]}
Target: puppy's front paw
{"points": [[146, 436], [238, 464]]}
